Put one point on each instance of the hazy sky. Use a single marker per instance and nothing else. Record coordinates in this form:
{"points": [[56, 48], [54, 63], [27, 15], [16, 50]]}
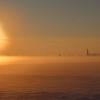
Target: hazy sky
{"points": [[47, 27]]}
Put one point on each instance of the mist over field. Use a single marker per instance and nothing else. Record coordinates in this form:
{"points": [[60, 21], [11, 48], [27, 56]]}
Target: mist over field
{"points": [[56, 78]]}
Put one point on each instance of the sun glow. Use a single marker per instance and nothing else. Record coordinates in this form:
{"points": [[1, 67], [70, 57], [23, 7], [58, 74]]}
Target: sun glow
{"points": [[6, 60], [3, 38]]}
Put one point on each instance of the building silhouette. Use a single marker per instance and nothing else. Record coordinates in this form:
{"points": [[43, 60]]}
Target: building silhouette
{"points": [[91, 54]]}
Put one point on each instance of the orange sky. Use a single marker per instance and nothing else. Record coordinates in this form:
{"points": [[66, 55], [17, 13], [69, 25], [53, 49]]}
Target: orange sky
{"points": [[49, 27]]}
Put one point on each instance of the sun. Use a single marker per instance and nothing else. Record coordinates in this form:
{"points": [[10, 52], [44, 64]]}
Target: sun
{"points": [[3, 38]]}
